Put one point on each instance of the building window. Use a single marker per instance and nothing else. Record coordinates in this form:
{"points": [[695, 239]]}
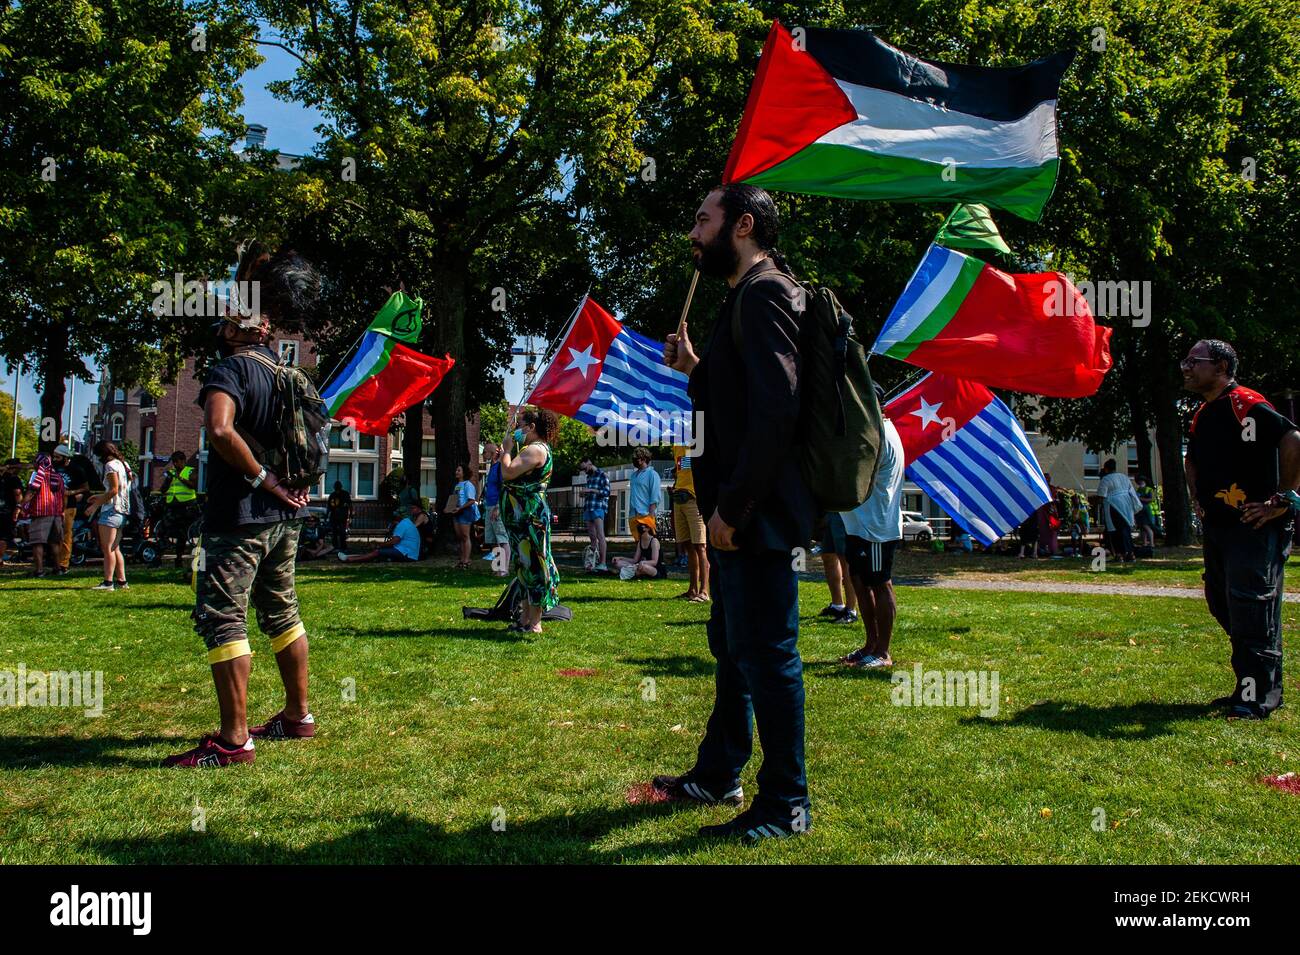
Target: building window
{"points": [[340, 473], [147, 400], [1091, 464], [117, 428], [428, 448], [119, 396], [289, 352], [366, 442], [429, 485], [365, 479], [1134, 467], [146, 461], [203, 460]]}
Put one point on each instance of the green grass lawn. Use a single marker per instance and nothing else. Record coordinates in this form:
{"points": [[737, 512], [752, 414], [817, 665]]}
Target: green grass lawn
{"points": [[1102, 708], [1170, 567]]}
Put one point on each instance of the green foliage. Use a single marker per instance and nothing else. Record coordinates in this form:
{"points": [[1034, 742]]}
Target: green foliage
{"points": [[115, 172], [26, 428]]}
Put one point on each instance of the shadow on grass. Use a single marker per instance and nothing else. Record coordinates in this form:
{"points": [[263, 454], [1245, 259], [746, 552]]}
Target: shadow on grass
{"points": [[1133, 721], [495, 632], [396, 839], [600, 599], [837, 670], [678, 665], [31, 752]]}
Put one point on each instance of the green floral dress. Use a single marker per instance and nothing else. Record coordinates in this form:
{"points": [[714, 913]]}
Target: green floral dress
{"points": [[527, 518]]}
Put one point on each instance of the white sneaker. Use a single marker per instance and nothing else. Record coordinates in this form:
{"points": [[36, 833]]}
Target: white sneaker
{"points": [[874, 663], [601, 568]]}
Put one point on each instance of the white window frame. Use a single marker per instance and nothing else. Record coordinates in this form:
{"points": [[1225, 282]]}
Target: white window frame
{"points": [[290, 347], [118, 428]]}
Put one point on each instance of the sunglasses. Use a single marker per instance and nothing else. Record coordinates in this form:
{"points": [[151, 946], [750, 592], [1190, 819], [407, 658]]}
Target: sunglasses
{"points": [[1189, 362]]}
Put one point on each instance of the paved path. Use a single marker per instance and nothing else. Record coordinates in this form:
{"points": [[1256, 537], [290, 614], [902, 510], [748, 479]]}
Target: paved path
{"points": [[1052, 587]]}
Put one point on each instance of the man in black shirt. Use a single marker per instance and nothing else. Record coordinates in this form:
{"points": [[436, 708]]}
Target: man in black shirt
{"points": [[11, 492], [758, 509], [251, 522], [1240, 454], [340, 514]]}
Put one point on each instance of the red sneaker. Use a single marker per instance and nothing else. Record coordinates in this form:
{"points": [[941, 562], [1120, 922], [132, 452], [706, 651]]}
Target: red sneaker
{"points": [[280, 726], [211, 753]]}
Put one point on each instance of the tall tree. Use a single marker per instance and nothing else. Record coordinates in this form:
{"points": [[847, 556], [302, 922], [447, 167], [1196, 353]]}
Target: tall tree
{"points": [[456, 134], [116, 122]]}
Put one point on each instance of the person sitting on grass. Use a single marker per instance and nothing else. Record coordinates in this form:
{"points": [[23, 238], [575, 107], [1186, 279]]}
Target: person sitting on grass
{"points": [[403, 546], [647, 561]]}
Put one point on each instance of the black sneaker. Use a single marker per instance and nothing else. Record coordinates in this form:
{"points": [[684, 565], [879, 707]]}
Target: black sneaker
{"points": [[829, 611], [1244, 711], [846, 616], [685, 788], [121, 585], [752, 826]]}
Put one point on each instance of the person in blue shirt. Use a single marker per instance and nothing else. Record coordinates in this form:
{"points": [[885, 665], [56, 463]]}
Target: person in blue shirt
{"points": [[494, 529], [466, 515], [644, 493], [403, 546]]}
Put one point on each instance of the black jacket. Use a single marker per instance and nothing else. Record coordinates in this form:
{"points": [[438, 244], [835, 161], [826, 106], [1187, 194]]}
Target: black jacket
{"points": [[750, 408]]}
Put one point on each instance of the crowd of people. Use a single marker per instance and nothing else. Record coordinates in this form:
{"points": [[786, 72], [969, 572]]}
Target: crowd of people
{"points": [[740, 511]]}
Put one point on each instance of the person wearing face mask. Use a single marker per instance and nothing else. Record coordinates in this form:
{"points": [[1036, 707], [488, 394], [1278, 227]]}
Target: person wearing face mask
{"points": [[251, 521], [526, 463]]}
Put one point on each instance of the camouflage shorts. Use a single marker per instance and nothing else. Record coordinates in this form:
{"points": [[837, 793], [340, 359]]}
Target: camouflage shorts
{"points": [[255, 564]]}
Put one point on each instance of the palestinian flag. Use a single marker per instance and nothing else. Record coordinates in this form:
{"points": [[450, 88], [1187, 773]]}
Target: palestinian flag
{"points": [[383, 378], [843, 113], [1029, 332]]}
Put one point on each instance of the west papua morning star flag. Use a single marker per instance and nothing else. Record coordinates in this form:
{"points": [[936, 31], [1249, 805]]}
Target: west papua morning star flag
{"points": [[606, 375], [1030, 332], [965, 449], [842, 113]]}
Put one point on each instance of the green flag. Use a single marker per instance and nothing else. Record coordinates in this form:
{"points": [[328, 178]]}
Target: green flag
{"points": [[969, 226], [399, 318]]}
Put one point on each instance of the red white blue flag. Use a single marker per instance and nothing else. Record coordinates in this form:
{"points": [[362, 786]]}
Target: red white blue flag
{"points": [[965, 449], [605, 375]]}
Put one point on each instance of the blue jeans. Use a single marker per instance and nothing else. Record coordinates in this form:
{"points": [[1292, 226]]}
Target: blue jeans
{"points": [[753, 632]]}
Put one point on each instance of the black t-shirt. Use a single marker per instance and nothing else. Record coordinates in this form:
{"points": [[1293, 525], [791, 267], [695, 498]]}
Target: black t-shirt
{"points": [[76, 474], [231, 501], [340, 502], [1236, 461], [9, 483]]}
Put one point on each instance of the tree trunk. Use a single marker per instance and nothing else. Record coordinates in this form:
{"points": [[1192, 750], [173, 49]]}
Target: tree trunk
{"points": [[447, 335], [1169, 442], [54, 367], [413, 447]]}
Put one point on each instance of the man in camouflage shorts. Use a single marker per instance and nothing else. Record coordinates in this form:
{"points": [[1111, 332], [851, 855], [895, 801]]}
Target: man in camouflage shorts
{"points": [[251, 522]]}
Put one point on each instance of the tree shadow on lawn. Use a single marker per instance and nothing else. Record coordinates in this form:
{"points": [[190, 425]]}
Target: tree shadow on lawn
{"points": [[32, 752], [495, 633], [1130, 721], [837, 670], [384, 838]]}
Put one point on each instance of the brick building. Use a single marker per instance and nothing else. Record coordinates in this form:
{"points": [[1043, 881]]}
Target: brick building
{"points": [[172, 421]]}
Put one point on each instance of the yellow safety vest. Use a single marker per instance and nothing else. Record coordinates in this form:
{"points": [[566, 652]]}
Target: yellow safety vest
{"points": [[178, 493]]}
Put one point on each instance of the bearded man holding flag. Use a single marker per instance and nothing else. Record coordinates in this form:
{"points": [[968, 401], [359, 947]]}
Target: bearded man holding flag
{"points": [[758, 510]]}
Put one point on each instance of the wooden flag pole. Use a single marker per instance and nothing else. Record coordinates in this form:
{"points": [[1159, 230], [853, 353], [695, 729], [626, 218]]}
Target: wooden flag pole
{"points": [[690, 294]]}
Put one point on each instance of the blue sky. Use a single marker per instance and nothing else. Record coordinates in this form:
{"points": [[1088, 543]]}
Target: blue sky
{"points": [[291, 128]]}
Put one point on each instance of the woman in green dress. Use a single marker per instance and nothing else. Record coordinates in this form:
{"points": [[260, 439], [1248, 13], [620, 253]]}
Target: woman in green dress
{"points": [[525, 473]]}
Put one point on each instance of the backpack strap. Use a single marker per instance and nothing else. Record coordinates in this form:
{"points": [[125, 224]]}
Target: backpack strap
{"points": [[737, 337]]}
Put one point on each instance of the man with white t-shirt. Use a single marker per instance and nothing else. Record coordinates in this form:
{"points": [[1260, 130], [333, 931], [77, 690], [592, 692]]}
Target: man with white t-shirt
{"points": [[873, 530]]}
